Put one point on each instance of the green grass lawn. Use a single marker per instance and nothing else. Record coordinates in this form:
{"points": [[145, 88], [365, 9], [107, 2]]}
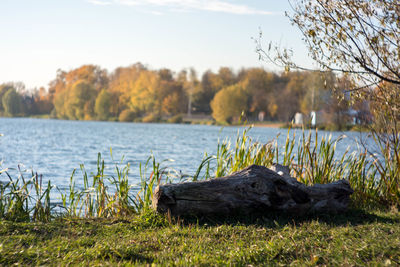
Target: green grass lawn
{"points": [[354, 238]]}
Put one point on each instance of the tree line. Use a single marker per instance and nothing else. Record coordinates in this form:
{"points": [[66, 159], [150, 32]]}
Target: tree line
{"points": [[137, 93]]}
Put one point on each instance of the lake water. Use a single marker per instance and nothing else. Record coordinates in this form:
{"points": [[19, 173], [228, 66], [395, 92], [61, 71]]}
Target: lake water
{"points": [[54, 148]]}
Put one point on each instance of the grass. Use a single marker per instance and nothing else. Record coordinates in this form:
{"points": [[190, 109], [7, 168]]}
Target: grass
{"points": [[354, 238]]}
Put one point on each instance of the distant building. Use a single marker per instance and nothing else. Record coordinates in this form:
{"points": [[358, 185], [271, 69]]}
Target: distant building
{"points": [[261, 116], [298, 119], [359, 116], [313, 118]]}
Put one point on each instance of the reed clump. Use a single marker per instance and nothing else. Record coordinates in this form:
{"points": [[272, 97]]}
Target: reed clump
{"points": [[375, 177], [25, 199], [311, 158]]}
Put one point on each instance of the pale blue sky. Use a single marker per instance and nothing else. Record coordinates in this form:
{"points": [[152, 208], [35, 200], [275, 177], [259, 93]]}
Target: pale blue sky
{"points": [[37, 37]]}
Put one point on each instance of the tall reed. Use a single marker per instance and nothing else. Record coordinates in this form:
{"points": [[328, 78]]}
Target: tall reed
{"points": [[148, 182], [312, 159], [245, 152], [96, 199], [25, 199]]}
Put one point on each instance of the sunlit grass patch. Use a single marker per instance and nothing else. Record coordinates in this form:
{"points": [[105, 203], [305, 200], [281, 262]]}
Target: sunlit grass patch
{"points": [[353, 238]]}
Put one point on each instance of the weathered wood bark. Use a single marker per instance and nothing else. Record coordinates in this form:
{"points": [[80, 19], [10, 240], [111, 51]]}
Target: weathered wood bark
{"points": [[253, 189]]}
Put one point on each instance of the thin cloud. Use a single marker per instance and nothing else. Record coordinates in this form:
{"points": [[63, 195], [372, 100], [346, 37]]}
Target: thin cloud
{"points": [[99, 3], [129, 2], [189, 5], [219, 6]]}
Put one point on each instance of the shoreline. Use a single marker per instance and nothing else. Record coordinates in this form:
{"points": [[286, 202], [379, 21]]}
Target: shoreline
{"points": [[207, 121], [267, 125]]}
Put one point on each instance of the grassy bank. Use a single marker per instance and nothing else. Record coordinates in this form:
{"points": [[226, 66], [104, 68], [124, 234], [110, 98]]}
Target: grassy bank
{"points": [[108, 222], [354, 238]]}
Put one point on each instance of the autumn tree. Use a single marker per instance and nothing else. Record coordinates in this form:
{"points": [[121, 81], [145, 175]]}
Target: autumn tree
{"points": [[211, 83], [259, 85], [174, 104], [74, 93], [91, 74], [11, 102], [171, 96], [43, 101], [289, 98], [190, 83], [357, 38], [385, 115], [57, 85], [143, 93], [227, 76], [229, 103], [121, 85], [137, 89], [37, 102], [103, 105]]}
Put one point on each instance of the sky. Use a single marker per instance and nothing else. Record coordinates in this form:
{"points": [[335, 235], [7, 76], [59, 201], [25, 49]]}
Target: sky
{"points": [[38, 37]]}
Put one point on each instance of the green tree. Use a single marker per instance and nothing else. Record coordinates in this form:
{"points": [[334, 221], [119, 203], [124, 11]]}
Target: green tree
{"points": [[102, 105], [79, 104], [12, 103], [127, 115], [59, 105], [3, 89], [229, 103]]}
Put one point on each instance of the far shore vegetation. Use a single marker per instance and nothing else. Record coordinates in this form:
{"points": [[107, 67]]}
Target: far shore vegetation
{"points": [[138, 94]]}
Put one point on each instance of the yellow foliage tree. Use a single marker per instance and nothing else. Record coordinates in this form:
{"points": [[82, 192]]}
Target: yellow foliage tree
{"points": [[229, 103], [102, 105], [74, 93], [173, 104], [79, 101], [143, 93], [122, 81]]}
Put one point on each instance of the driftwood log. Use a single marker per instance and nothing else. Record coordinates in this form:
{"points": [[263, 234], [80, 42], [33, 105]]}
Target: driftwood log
{"points": [[253, 189]]}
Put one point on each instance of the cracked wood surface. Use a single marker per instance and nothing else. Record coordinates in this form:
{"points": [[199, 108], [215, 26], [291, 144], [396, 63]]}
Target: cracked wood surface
{"points": [[253, 189]]}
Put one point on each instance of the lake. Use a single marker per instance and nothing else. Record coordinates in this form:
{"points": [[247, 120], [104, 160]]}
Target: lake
{"points": [[54, 148]]}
